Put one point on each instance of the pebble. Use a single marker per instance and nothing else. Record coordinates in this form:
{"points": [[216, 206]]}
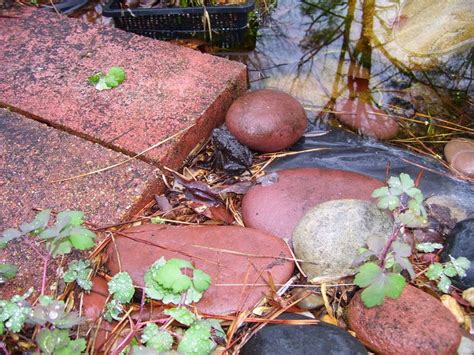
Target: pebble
{"points": [[321, 338], [266, 120], [459, 153], [329, 236], [277, 208], [310, 301], [460, 242], [415, 323]]}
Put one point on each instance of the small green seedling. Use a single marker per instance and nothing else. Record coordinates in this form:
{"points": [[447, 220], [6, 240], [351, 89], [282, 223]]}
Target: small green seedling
{"points": [[14, 312], [58, 342], [165, 281], [65, 234], [114, 77], [387, 257], [79, 271], [441, 273], [51, 312], [122, 290]]}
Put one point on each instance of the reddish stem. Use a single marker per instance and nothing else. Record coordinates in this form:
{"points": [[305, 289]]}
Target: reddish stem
{"points": [[393, 237]]}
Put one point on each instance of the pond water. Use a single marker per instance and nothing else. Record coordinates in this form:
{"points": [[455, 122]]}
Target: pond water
{"points": [[407, 59], [398, 56]]}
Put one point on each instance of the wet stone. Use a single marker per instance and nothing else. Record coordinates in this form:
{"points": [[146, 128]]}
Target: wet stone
{"points": [[310, 300], [321, 338], [277, 208], [460, 242], [329, 236], [236, 258], [460, 155], [266, 120], [415, 323]]}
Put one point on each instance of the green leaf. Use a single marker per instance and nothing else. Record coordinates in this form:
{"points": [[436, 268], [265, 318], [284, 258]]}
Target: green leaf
{"points": [[60, 247], [201, 280], [158, 339], [111, 82], [7, 235], [368, 273], [157, 220], [406, 181], [181, 314], [380, 192], [435, 271], [412, 220], [82, 238], [444, 284], [79, 271], [51, 340], [461, 264], [390, 202], [75, 347], [72, 218], [428, 247], [121, 287], [40, 221], [7, 271], [117, 73], [386, 285], [143, 350], [113, 309], [94, 79], [196, 340]]}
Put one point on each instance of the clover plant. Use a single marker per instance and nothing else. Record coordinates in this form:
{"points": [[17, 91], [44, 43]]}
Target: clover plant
{"points": [[79, 271], [114, 77], [387, 257]]}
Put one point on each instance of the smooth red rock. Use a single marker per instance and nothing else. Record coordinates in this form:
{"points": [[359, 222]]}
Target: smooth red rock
{"points": [[367, 119], [33, 155], [415, 323], [46, 60], [277, 208], [236, 258], [266, 120], [460, 155]]}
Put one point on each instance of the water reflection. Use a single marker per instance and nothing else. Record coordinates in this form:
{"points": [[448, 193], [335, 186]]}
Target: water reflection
{"points": [[346, 56]]}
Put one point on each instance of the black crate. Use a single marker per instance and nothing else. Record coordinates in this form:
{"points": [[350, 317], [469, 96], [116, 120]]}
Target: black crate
{"points": [[229, 24]]}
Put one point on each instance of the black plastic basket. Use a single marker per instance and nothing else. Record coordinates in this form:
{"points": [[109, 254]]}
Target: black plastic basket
{"points": [[228, 24]]}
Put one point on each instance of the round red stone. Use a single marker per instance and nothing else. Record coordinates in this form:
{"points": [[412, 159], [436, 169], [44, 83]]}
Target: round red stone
{"points": [[237, 259], [266, 120], [277, 208], [415, 323]]}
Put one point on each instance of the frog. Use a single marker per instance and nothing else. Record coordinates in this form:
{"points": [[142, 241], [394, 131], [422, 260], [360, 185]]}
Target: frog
{"points": [[230, 155]]}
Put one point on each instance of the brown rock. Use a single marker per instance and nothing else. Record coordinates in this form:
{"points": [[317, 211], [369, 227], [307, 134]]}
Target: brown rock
{"points": [[266, 120], [460, 155], [94, 301], [236, 258], [277, 208], [415, 323], [366, 119]]}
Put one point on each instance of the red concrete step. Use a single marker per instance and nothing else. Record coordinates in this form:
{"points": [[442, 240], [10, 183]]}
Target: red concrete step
{"points": [[46, 60], [33, 155]]}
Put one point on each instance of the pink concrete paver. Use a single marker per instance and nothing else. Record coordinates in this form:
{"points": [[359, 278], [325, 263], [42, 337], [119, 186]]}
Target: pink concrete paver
{"points": [[46, 60], [32, 155]]}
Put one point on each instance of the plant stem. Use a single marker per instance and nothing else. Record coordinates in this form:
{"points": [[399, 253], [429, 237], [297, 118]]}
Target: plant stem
{"points": [[391, 239], [45, 272], [123, 344]]}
